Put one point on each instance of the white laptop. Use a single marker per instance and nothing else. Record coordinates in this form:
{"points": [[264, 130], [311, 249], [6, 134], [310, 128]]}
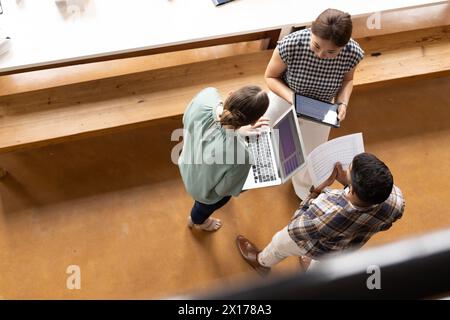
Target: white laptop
{"points": [[278, 153]]}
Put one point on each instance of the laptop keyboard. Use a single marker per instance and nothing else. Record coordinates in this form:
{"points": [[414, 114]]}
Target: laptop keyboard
{"points": [[259, 147]]}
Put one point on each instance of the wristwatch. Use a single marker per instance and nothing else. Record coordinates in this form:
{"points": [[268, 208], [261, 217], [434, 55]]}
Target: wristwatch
{"points": [[339, 103]]}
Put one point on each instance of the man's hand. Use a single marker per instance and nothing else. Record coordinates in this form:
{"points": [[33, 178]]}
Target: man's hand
{"points": [[255, 129], [342, 177], [314, 192]]}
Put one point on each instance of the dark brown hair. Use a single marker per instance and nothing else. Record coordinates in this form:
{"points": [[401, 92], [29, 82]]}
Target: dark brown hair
{"points": [[333, 25], [371, 179], [244, 106]]}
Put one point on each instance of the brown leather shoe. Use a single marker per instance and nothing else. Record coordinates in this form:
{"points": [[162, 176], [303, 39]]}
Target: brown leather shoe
{"points": [[250, 253]]}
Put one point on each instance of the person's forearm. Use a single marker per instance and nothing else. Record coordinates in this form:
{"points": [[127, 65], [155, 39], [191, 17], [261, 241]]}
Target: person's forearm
{"points": [[277, 86], [345, 92]]}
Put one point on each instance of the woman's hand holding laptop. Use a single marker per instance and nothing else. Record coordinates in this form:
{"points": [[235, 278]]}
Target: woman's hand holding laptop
{"points": [[319, 111], [342, 111]]}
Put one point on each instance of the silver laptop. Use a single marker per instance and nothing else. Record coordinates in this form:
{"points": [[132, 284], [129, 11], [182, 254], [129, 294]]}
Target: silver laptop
{"points": [[278, 153]]}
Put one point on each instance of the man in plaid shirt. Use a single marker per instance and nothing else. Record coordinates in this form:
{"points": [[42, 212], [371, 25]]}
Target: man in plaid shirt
{"points": [[334, 220]]}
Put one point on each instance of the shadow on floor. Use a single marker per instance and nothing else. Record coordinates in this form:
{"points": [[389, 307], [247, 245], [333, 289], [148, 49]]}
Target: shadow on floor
{"points": [[92, 166]]}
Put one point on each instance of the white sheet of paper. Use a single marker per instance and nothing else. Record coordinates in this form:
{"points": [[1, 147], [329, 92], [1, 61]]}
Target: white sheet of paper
{"points": [[322, 159]]}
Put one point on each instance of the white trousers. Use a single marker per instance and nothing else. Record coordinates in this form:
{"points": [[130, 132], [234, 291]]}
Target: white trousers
{"points": [[281, 247], [313, 135]]}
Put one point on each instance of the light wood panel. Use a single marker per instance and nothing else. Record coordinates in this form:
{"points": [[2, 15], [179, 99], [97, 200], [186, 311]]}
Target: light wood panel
{"points": [[44, 79], [413, 54], [405, 19]]}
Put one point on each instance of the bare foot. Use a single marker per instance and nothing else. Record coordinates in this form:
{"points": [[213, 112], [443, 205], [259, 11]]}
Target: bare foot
{"points": [[210, 224]]}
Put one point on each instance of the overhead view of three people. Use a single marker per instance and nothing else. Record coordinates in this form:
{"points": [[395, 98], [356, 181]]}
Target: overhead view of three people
{"points": [[222, 150], [317, 62]]}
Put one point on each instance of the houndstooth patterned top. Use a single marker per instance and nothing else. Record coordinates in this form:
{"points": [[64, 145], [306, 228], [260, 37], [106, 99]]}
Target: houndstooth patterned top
{"points": [[311, 76]]}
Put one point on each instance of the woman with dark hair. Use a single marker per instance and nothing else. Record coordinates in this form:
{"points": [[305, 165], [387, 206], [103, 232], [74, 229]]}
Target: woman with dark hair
{"points": [[319, 63], [215, 162]]}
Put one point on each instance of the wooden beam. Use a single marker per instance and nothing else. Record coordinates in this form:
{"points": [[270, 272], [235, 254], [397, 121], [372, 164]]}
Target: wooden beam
{"points": [[272, 35]]}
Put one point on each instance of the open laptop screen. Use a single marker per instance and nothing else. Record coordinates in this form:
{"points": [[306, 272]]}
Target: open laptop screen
{"points": [[290, 149]]}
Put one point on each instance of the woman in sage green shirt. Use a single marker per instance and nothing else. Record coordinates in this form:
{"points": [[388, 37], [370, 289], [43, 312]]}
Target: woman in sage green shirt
{"points": [[214, 162]]}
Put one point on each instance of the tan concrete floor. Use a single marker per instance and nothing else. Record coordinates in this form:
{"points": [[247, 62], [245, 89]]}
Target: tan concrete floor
{"points": [[115, 204]]}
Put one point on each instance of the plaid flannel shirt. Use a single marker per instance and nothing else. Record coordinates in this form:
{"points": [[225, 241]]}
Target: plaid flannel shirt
{"points": [[330, 223]]}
